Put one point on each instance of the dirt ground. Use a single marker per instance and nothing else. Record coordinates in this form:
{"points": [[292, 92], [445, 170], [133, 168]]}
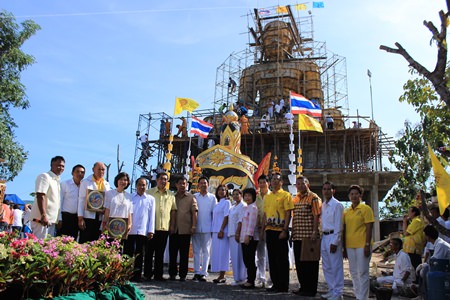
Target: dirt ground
{"points": [[208, 290]]}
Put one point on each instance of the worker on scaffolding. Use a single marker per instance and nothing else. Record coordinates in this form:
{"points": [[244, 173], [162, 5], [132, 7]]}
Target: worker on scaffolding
{"points": [[162, 129], [329, 121], [182, 129], [168, 127], [231, 86], [245, 125], [222, 108], [144, 140], [145, 155]]}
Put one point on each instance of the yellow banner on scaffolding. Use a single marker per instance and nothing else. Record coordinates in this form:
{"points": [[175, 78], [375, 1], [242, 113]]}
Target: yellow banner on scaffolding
{"points": [[308, 123], [442, 182], [301, 7], [185, 104], [282, 10]]}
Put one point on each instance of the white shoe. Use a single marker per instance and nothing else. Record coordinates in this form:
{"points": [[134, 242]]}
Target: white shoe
{"points": [[326, 295], [235, 283]]}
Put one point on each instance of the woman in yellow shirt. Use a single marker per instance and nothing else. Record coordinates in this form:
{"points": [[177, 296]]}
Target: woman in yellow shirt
{"points": [[358, 223]]}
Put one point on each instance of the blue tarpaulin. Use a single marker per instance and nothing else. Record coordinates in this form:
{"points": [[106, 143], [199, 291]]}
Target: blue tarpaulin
{"points": [[14, 199]]}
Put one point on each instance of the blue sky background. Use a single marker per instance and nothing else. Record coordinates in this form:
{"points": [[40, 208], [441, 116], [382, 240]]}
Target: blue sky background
{"points": [[99, 64]]}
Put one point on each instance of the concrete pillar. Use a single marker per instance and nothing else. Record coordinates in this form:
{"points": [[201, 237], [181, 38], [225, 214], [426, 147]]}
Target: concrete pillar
{"points": [[374, 205]]}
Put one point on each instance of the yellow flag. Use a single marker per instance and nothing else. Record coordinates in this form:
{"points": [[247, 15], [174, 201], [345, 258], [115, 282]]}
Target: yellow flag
{"points": [[306, 122], [300, 7], [184, 104], [442, 182], [282, 9]]}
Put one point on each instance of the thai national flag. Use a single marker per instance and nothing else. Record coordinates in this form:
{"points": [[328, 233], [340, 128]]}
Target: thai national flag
{"points": [[200, 127], [300, 105]]}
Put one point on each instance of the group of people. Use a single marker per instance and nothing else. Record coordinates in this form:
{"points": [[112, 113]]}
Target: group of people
{"points": [[13, 218], [410, 270], [241, 228]]}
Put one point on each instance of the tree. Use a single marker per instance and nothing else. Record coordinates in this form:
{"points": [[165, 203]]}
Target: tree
{"points": [[411, 155], [12, 92], [439, 76], [429, 94]]}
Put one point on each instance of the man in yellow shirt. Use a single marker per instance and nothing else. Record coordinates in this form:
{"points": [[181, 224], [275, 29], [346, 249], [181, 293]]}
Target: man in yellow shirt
{"points": [[165, 218], [414, 237], [277, 214]]}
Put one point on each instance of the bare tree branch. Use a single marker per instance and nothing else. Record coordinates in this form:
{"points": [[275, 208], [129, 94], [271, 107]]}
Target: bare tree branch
{"points": [[412, 62], [438, 76]]}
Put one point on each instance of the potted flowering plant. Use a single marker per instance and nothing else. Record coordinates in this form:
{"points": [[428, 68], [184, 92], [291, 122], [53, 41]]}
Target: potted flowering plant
{"points": [[60, 266]]}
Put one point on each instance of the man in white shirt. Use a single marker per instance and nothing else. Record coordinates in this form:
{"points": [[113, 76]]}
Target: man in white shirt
{"points": [[261, 262], [45, 209], [69, 202], [89, 221], [277, 110], [142, 228], [441, 251], [404, 273], [263, 123], [331, 245], [441, 220], [201, 239], [270, 109]]}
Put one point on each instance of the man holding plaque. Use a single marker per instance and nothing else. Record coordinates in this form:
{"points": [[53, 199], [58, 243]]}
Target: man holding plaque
{"points": [[305, 224], [91, 201], [185, 226], [165, 218], [45, 209]]}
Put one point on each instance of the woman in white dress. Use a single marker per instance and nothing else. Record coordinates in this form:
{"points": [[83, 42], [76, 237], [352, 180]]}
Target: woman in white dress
{"points": [[220, 260], [237, 261], [118, 202]]}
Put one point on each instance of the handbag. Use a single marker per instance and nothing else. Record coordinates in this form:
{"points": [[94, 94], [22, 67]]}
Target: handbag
{"points": [[310, 250]]}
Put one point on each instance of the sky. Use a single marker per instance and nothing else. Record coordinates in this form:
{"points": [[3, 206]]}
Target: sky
{"points": [[100, 64]]}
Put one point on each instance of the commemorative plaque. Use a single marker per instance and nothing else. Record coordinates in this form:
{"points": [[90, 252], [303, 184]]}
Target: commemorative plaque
{"points": [[117, 227], [95, 200]]}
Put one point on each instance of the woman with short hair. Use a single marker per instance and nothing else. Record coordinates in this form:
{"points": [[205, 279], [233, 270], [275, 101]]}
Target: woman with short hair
{"points": [[358, 224]]}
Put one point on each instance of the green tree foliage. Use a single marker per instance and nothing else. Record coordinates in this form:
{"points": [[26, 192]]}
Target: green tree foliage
{"points": [[12, 92], [411, 155]]}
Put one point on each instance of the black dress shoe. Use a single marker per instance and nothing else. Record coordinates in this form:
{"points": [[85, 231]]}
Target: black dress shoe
{"points": [[182, 278], [172, 278], [247, 285], [297, 292]]}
